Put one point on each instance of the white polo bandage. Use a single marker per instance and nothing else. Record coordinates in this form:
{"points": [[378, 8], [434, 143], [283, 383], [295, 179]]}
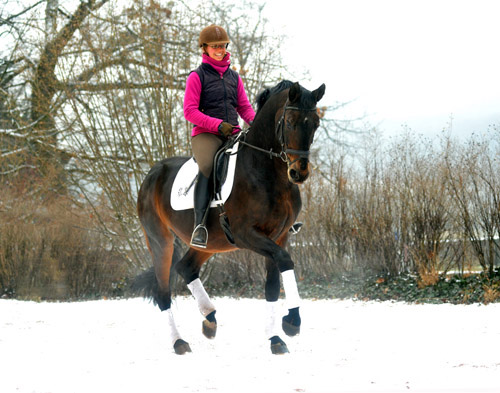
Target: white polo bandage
{"points": [[204, 304], [291, 290], [174, 333], [272, 326]]}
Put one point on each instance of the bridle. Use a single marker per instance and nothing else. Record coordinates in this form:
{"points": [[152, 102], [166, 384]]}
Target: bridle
{"points": [[280, 134]]}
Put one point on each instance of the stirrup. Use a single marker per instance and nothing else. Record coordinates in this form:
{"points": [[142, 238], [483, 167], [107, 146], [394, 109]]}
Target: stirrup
{"points": [[295, 228], [201, 243]]}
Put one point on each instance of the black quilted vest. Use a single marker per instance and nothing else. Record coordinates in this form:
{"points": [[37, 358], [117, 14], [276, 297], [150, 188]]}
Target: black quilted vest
{"points": [[219, 95]]}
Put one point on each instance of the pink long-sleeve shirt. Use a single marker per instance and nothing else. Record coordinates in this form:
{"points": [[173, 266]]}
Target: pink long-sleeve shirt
{"points": [[192, 113]]}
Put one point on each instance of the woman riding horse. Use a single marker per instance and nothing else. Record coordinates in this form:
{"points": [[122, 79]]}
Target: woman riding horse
{"points": [[264, 203], [214, 97]]}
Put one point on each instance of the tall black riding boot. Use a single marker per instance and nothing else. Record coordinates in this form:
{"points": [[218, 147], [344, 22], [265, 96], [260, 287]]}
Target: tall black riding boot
{"points": [[202, 196]]}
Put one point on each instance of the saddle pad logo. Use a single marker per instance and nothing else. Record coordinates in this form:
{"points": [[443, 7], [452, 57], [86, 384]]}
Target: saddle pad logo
{"points": [[182, 194]]}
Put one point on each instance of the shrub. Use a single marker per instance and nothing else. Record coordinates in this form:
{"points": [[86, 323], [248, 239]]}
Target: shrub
{"points": [[49, 251]]}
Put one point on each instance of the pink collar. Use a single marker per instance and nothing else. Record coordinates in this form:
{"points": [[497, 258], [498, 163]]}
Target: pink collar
{"points": [[220, 66]]}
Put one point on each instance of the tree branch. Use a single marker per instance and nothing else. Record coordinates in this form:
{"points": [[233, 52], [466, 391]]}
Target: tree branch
{"points": [[120, 85], [11, 17]]}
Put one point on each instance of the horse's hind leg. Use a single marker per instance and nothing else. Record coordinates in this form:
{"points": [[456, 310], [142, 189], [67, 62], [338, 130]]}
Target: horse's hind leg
{"points": [[161, 245], [189, 269]]}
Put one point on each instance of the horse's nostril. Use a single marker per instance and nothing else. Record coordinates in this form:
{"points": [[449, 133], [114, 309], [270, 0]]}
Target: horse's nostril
{"points": [[293, 174]]}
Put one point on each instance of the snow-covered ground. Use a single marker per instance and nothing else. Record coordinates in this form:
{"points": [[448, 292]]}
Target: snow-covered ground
{"points": [[344, 346]]}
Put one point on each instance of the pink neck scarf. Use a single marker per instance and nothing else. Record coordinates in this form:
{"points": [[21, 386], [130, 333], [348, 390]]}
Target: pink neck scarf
{"points": [[220, 66]]}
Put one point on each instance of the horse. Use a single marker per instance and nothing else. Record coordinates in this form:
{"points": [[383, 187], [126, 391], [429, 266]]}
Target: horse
{"points": [[273, 159]]}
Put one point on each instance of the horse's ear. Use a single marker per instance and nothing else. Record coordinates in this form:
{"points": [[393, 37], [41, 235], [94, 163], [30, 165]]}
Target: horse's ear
{"points": [[319, 92], [294, 93]]}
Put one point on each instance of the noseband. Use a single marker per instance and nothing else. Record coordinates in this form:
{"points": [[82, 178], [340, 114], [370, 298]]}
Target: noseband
{"points": [[280, 134]]}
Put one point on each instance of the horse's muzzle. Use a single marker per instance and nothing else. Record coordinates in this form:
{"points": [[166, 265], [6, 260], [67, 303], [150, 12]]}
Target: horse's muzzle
{"points": [[298, 172]]}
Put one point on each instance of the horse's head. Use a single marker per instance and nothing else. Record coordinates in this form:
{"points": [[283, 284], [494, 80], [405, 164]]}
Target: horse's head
{"points": [[297, 125]]}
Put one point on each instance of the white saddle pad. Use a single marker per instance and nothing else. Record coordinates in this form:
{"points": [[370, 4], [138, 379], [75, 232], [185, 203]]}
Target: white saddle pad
{"points": [[182, 195]]}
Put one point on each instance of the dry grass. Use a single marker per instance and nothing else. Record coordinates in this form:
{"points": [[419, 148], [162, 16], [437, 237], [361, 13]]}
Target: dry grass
{"points": [[427, 277], [491, 293], [48, 250]]}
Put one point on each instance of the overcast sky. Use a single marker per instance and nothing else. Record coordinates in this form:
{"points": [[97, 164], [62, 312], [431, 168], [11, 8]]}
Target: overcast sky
{"points": [[404, 62]]}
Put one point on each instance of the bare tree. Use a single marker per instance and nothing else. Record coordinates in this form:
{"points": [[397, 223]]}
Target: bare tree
{"points": [[99, 89], [474, 183], [33, 56], [129, 114]]}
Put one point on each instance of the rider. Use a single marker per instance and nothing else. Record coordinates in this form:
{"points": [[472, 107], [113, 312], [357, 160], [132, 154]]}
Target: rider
{"points": [[214, 98]]}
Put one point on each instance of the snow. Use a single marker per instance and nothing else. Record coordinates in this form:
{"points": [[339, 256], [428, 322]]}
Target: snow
{"points": [[344, 346]]}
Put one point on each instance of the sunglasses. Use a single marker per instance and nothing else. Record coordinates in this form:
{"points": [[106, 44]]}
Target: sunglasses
{"points": [[221, 46]]}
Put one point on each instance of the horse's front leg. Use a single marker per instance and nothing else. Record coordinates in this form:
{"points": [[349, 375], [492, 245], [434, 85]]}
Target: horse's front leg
{"points": [[278, 262], [291, 322], [272, 291], [189, 268]]}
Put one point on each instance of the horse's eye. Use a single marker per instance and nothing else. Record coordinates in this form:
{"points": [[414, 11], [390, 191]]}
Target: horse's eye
{"points": [[288, 124]]}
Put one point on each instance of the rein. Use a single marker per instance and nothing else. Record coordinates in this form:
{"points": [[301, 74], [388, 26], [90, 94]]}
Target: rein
{"points": [[279, 131]]}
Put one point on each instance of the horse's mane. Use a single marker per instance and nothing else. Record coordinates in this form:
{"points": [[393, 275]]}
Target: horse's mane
{"points": [[270, 91]]}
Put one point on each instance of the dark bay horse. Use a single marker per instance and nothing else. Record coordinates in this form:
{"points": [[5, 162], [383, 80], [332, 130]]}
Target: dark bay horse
{"points": [[264, 203]]}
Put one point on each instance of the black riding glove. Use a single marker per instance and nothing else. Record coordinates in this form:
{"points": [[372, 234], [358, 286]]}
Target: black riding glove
{"points": [[225, 129]]}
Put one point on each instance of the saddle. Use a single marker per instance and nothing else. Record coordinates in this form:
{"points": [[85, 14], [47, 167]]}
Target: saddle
{"points": [[182, 193]]}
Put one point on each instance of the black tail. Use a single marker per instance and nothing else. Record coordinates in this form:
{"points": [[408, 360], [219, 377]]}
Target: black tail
{"points": [[145, 284]]}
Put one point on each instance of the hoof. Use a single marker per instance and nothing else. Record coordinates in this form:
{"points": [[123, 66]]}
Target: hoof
{"points": [[181, 347], [289, 329], [291, 322], [209, 329], [278, 346], [209, 326]]}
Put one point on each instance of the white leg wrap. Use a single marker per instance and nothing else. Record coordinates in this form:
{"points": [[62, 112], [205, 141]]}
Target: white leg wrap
{"points": [[174, 333], [201, 296], [272, 327], [291, 290]]}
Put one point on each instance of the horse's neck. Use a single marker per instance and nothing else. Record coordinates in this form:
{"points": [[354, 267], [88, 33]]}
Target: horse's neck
{"points": [[263, 136], [263, 132]]}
